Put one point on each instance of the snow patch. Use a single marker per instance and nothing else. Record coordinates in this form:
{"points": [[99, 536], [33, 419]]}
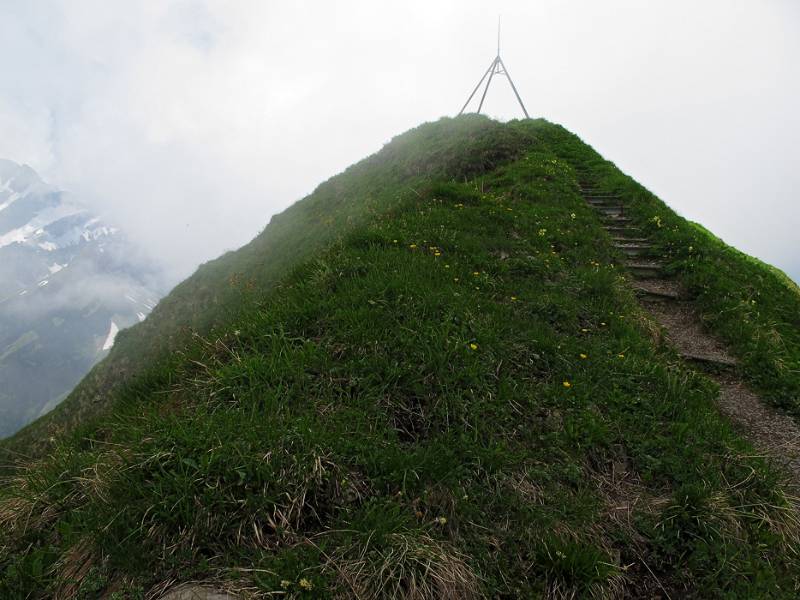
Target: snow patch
{"points": [[112, 335], [16, 236], [55, 268], [43, 283], [48, 246], [10, 200], [141, 316]]}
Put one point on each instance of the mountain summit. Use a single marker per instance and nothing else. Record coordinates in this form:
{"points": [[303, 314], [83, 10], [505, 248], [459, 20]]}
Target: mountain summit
{"points": [[481, 363], [68, 283]]}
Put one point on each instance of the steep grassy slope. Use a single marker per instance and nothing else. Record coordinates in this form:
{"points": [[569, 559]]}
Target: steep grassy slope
{"points": [[220, 289], [426, 380]]}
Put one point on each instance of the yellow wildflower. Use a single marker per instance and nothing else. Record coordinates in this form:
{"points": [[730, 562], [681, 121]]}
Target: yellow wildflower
{"points": [[286, 584], [412, 246], [473, 346], [306, 584], [582, 355], [513, 298], [567, 384], [442, 520]]}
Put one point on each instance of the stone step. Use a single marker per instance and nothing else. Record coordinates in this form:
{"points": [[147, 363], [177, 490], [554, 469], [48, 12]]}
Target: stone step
{"points": [[629, 240], [617, 230], [710, 360], [654, 294], [632, 249], [604, 202], [657, 290], [611, 211], [648, 296], [644, 270], [617, 219]]}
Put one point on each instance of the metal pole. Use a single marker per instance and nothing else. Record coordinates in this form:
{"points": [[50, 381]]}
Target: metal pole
{"points": [[513, 87], [486, 89], [498, 35], [476, 89]]}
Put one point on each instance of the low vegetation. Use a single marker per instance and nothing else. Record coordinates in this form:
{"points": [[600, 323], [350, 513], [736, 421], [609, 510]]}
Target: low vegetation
{"points": [[428, 379]]}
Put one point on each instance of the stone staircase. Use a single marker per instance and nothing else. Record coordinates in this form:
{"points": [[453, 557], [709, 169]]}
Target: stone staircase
{"points": [[773, 433], [660, 295]]}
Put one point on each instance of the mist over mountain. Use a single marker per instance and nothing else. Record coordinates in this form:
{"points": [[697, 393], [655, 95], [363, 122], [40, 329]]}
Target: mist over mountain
{"points": [[68, 283]]}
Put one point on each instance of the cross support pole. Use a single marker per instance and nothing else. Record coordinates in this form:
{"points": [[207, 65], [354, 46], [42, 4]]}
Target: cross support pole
{"points": [[513, 87], [488, 82], [463, 108]]}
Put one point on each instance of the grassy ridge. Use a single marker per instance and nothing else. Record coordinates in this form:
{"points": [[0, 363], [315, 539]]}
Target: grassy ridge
{"points": [[220, 289], [459, 397]]}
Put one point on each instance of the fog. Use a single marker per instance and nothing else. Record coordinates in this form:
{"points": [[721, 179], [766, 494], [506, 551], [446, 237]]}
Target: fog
{"points": [[189, 123]]}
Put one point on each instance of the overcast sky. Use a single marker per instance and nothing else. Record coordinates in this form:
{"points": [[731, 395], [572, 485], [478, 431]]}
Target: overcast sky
{"points": [[190, 122]]}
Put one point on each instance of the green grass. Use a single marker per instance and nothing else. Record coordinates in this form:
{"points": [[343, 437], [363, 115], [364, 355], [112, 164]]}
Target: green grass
{"points": [[451, 394]]}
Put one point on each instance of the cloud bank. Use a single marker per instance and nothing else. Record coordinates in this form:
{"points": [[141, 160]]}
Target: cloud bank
{"points": [[189, 123]]}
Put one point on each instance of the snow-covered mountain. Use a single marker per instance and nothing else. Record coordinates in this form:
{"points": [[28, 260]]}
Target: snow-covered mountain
{"points": [[68, 283]]}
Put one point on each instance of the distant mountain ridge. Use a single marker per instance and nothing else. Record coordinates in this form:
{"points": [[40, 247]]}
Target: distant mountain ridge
{"points": [[68, 283]]}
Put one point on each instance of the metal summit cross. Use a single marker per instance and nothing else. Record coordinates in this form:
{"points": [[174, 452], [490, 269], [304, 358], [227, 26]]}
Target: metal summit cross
{"points": [[496, 68]]}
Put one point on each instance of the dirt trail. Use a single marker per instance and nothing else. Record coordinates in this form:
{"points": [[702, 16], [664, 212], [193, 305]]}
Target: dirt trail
{"points": [[773, 433]]}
